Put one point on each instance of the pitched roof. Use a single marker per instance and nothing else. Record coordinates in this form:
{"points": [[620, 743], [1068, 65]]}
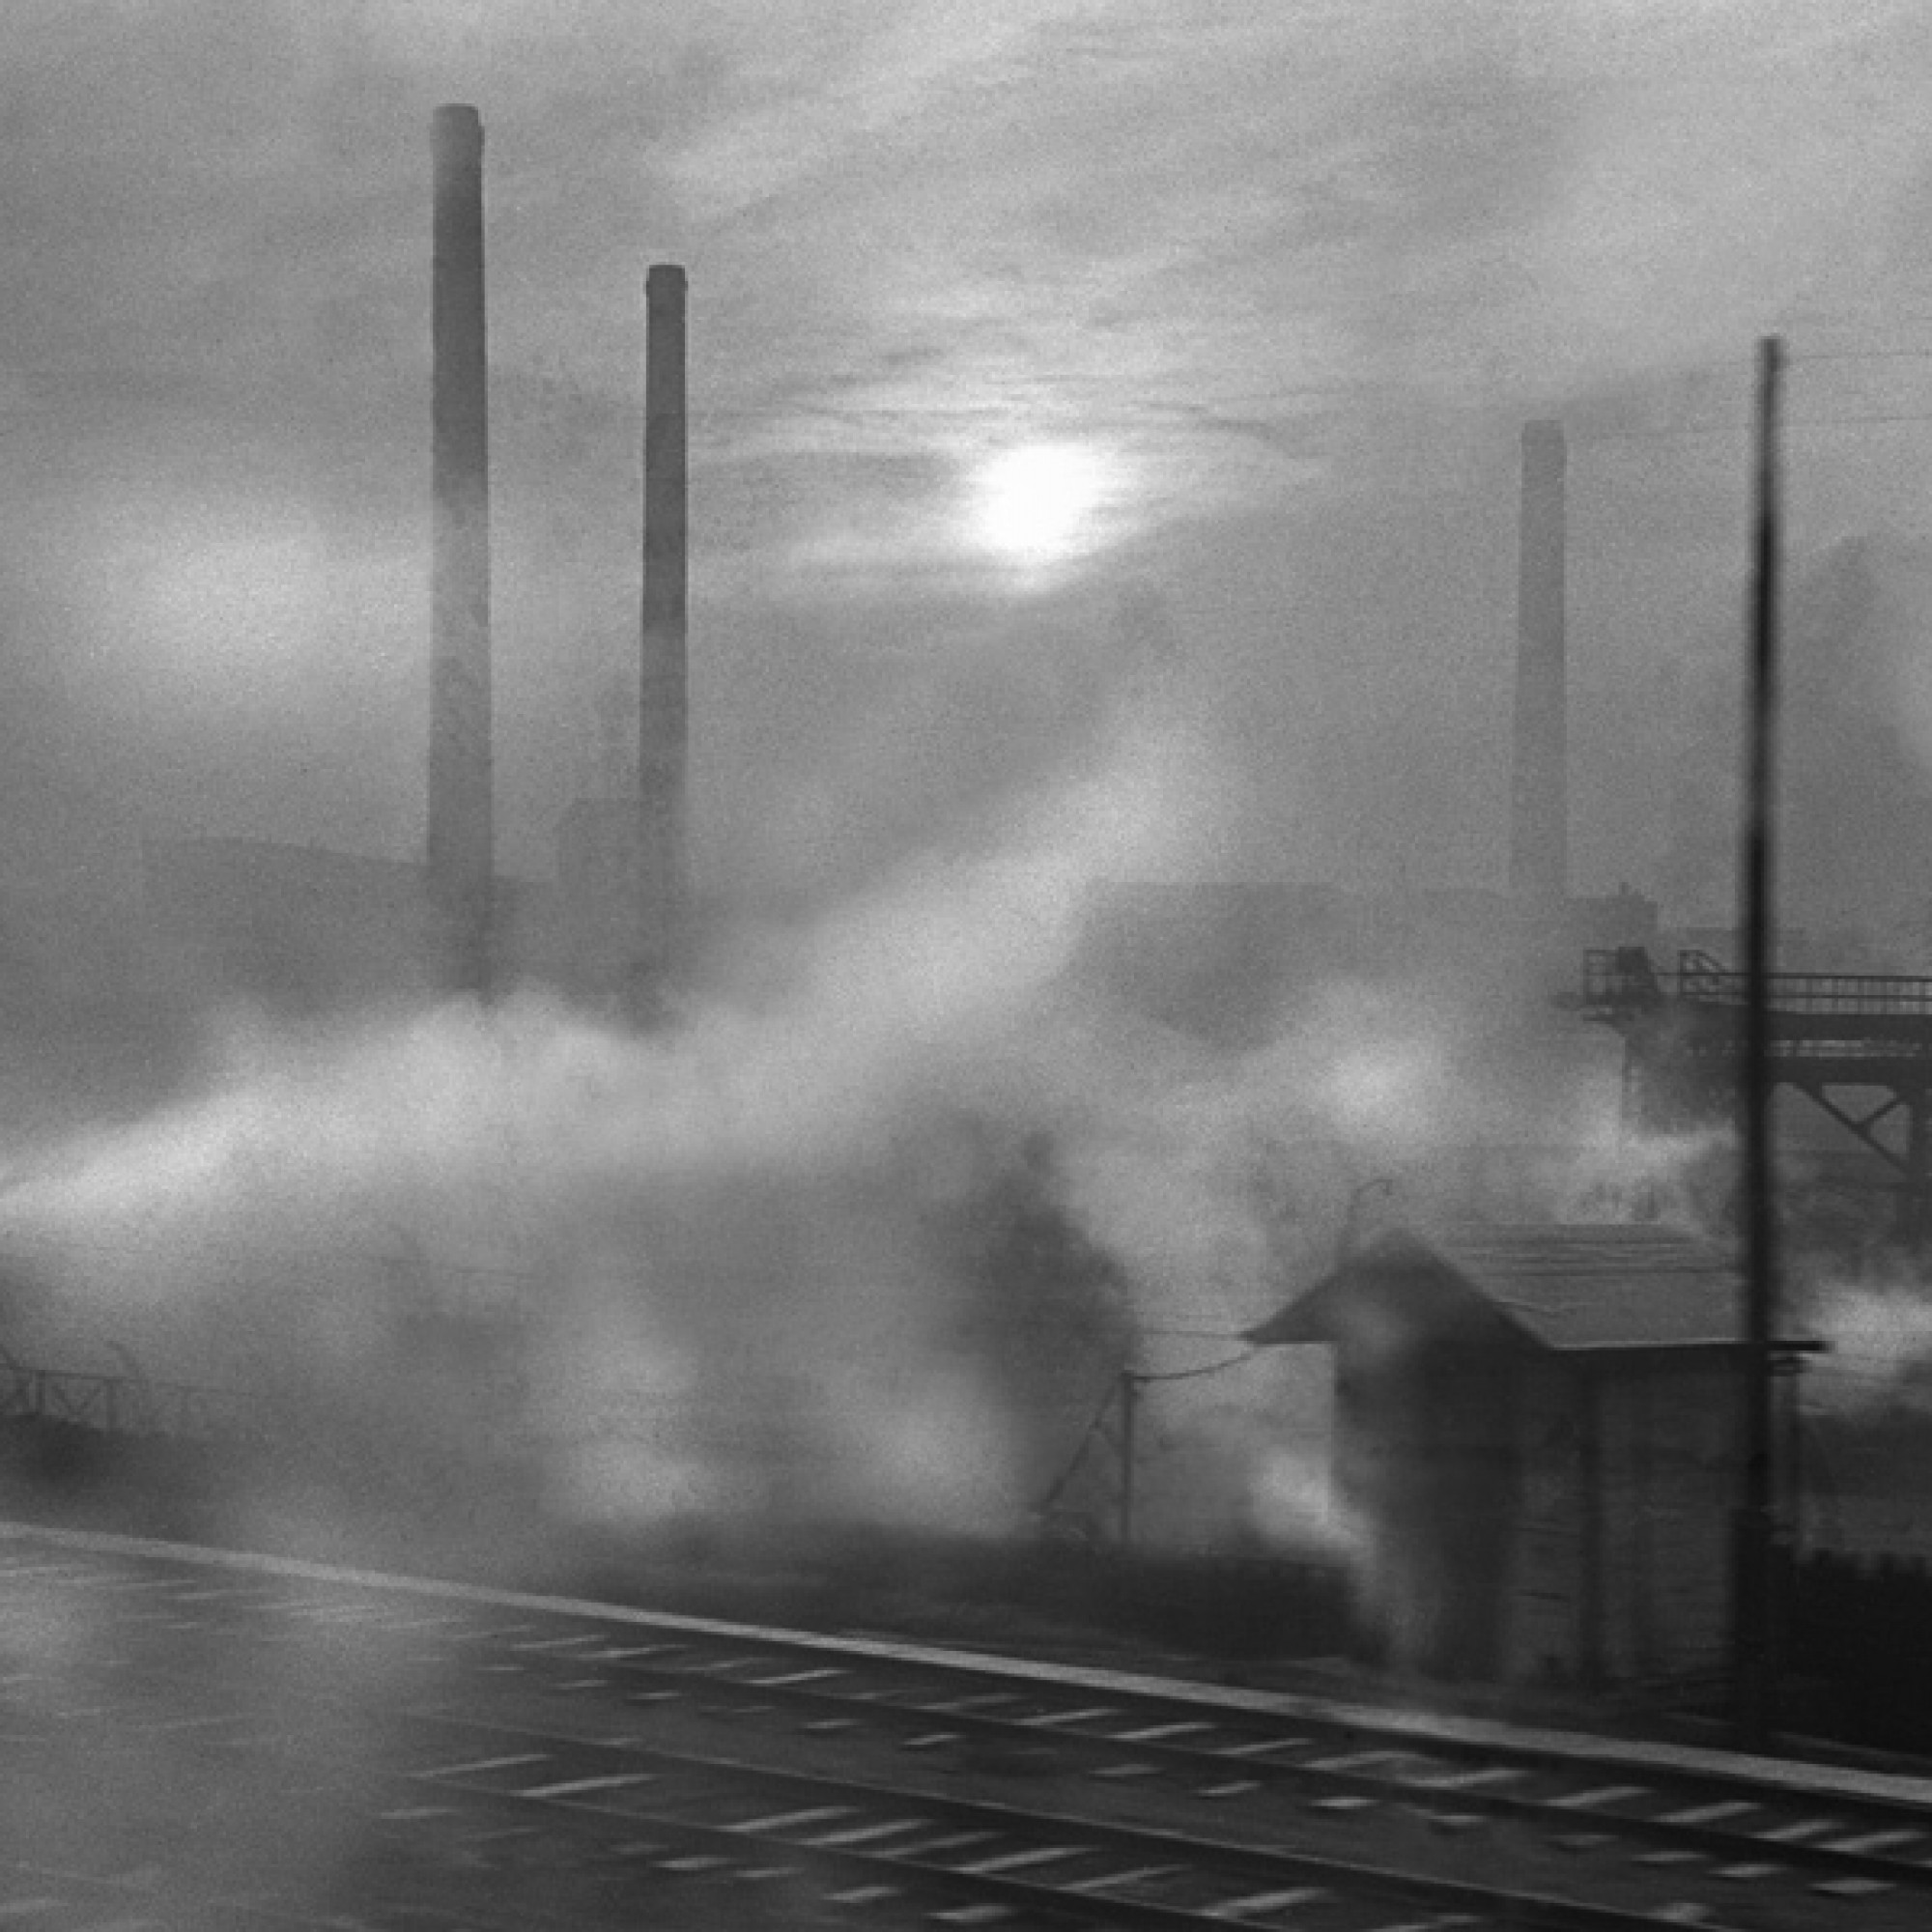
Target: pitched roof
{"points": [[1578, 1287]]}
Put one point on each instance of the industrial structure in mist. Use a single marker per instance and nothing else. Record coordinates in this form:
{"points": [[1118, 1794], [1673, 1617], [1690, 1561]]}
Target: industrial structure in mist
{"points": [[1542, 1334], [624, 861]]}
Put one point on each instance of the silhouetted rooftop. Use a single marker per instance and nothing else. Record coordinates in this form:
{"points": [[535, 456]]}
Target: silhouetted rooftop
{"points": [[1562, 1287]]}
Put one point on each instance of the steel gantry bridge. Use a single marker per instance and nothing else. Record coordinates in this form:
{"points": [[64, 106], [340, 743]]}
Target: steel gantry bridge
{"points": [[1858, 1045]]}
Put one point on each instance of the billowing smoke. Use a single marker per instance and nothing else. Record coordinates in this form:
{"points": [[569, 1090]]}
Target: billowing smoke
{"points": [[869, 1229], [1878, 1340], [707, 1269]]}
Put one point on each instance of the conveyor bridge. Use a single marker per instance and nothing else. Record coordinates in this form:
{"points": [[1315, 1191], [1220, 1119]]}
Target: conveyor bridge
{"points": [[1858, 1045]]}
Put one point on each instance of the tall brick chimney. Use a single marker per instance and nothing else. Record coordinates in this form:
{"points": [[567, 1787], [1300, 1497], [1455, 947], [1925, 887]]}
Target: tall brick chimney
{"points": [[663, 704], [461, 864], [1539, 795]]}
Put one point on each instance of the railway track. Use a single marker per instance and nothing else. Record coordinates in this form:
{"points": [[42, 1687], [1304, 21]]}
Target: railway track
{"points": [[630, 1759]]}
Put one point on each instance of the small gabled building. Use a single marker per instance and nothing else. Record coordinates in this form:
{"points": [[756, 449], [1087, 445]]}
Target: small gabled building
{"points": [[1535, 1445]]}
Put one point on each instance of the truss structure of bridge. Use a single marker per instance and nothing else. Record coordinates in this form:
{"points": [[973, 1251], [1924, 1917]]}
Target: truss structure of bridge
{"points": [[1858, 1045]]}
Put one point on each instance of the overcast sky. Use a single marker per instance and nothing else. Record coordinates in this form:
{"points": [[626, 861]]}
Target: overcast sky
{"points": [[1277, 284]]}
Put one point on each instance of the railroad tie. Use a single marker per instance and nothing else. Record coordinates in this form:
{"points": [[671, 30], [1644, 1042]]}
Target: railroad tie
{"points": [[1133, 1875], [1601, 1794], [1874, 1841], [471, 1766], [950, 1841], [572, 1787], [1797, 1834], [1472, 1780], [867, 1834], [1082, 1715], [1709, 1814], [1266, 1902], [786, 1821], [1034, 1855], [1362, 1760], [863, 1894]]}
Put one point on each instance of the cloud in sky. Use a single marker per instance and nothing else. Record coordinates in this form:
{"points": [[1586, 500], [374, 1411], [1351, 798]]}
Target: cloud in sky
{"points": [[1298, 273]]}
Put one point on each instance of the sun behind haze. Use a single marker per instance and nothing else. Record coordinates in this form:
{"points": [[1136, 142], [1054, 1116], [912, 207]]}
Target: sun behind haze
{"points": [[1247, 303], [1038, 503]]}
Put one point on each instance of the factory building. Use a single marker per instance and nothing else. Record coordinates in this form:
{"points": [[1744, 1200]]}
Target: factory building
{"points": [[1535, 1436], [301, 930]]}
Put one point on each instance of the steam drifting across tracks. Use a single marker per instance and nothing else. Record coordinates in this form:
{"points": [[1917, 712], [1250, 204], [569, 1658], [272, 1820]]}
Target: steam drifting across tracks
{"points": [[212, 1738]]}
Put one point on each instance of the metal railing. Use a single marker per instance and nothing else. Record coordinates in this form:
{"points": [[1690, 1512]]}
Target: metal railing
{"points": [[1625, 978]]}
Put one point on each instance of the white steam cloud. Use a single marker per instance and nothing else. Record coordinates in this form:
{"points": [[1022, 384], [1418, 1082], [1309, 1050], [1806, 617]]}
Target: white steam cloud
{"points": [[720, 1224]]}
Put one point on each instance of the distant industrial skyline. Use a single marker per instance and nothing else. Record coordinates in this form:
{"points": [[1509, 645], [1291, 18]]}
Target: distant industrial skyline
{"points": [[990, 320]]}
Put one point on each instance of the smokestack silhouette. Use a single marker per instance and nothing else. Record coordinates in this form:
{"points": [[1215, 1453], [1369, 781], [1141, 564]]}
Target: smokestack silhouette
{"points": [[1539, 795], [461, 861], [663, 710]]}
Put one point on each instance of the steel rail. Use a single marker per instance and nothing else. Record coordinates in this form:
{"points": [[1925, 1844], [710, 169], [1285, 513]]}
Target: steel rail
{"points": [[1411, 1770], [1222, 1863]]}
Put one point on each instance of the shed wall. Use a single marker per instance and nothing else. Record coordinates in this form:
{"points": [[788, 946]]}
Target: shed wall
{"points": [[1545, 1635], [1426, 1458], [1670, 1463]]}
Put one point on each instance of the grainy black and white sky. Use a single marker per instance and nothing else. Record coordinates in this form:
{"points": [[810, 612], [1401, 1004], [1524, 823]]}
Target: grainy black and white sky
{"points": [[1277, 284]]}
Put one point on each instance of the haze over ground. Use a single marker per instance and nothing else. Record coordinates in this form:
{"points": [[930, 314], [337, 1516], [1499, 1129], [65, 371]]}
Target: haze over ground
{"points": [[1001, 319]]}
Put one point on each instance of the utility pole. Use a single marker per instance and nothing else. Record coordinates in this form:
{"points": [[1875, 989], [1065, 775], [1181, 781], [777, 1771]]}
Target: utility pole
{"points": [[1129, 1397], [1756, 1578]]}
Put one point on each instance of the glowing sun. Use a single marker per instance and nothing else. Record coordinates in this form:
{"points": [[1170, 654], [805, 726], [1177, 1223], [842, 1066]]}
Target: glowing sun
{"points": [[1037, 503]]}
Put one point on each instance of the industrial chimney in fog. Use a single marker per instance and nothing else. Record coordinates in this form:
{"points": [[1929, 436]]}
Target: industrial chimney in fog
{"points": [[661, 718], [1539, 794], [460, 856]]}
